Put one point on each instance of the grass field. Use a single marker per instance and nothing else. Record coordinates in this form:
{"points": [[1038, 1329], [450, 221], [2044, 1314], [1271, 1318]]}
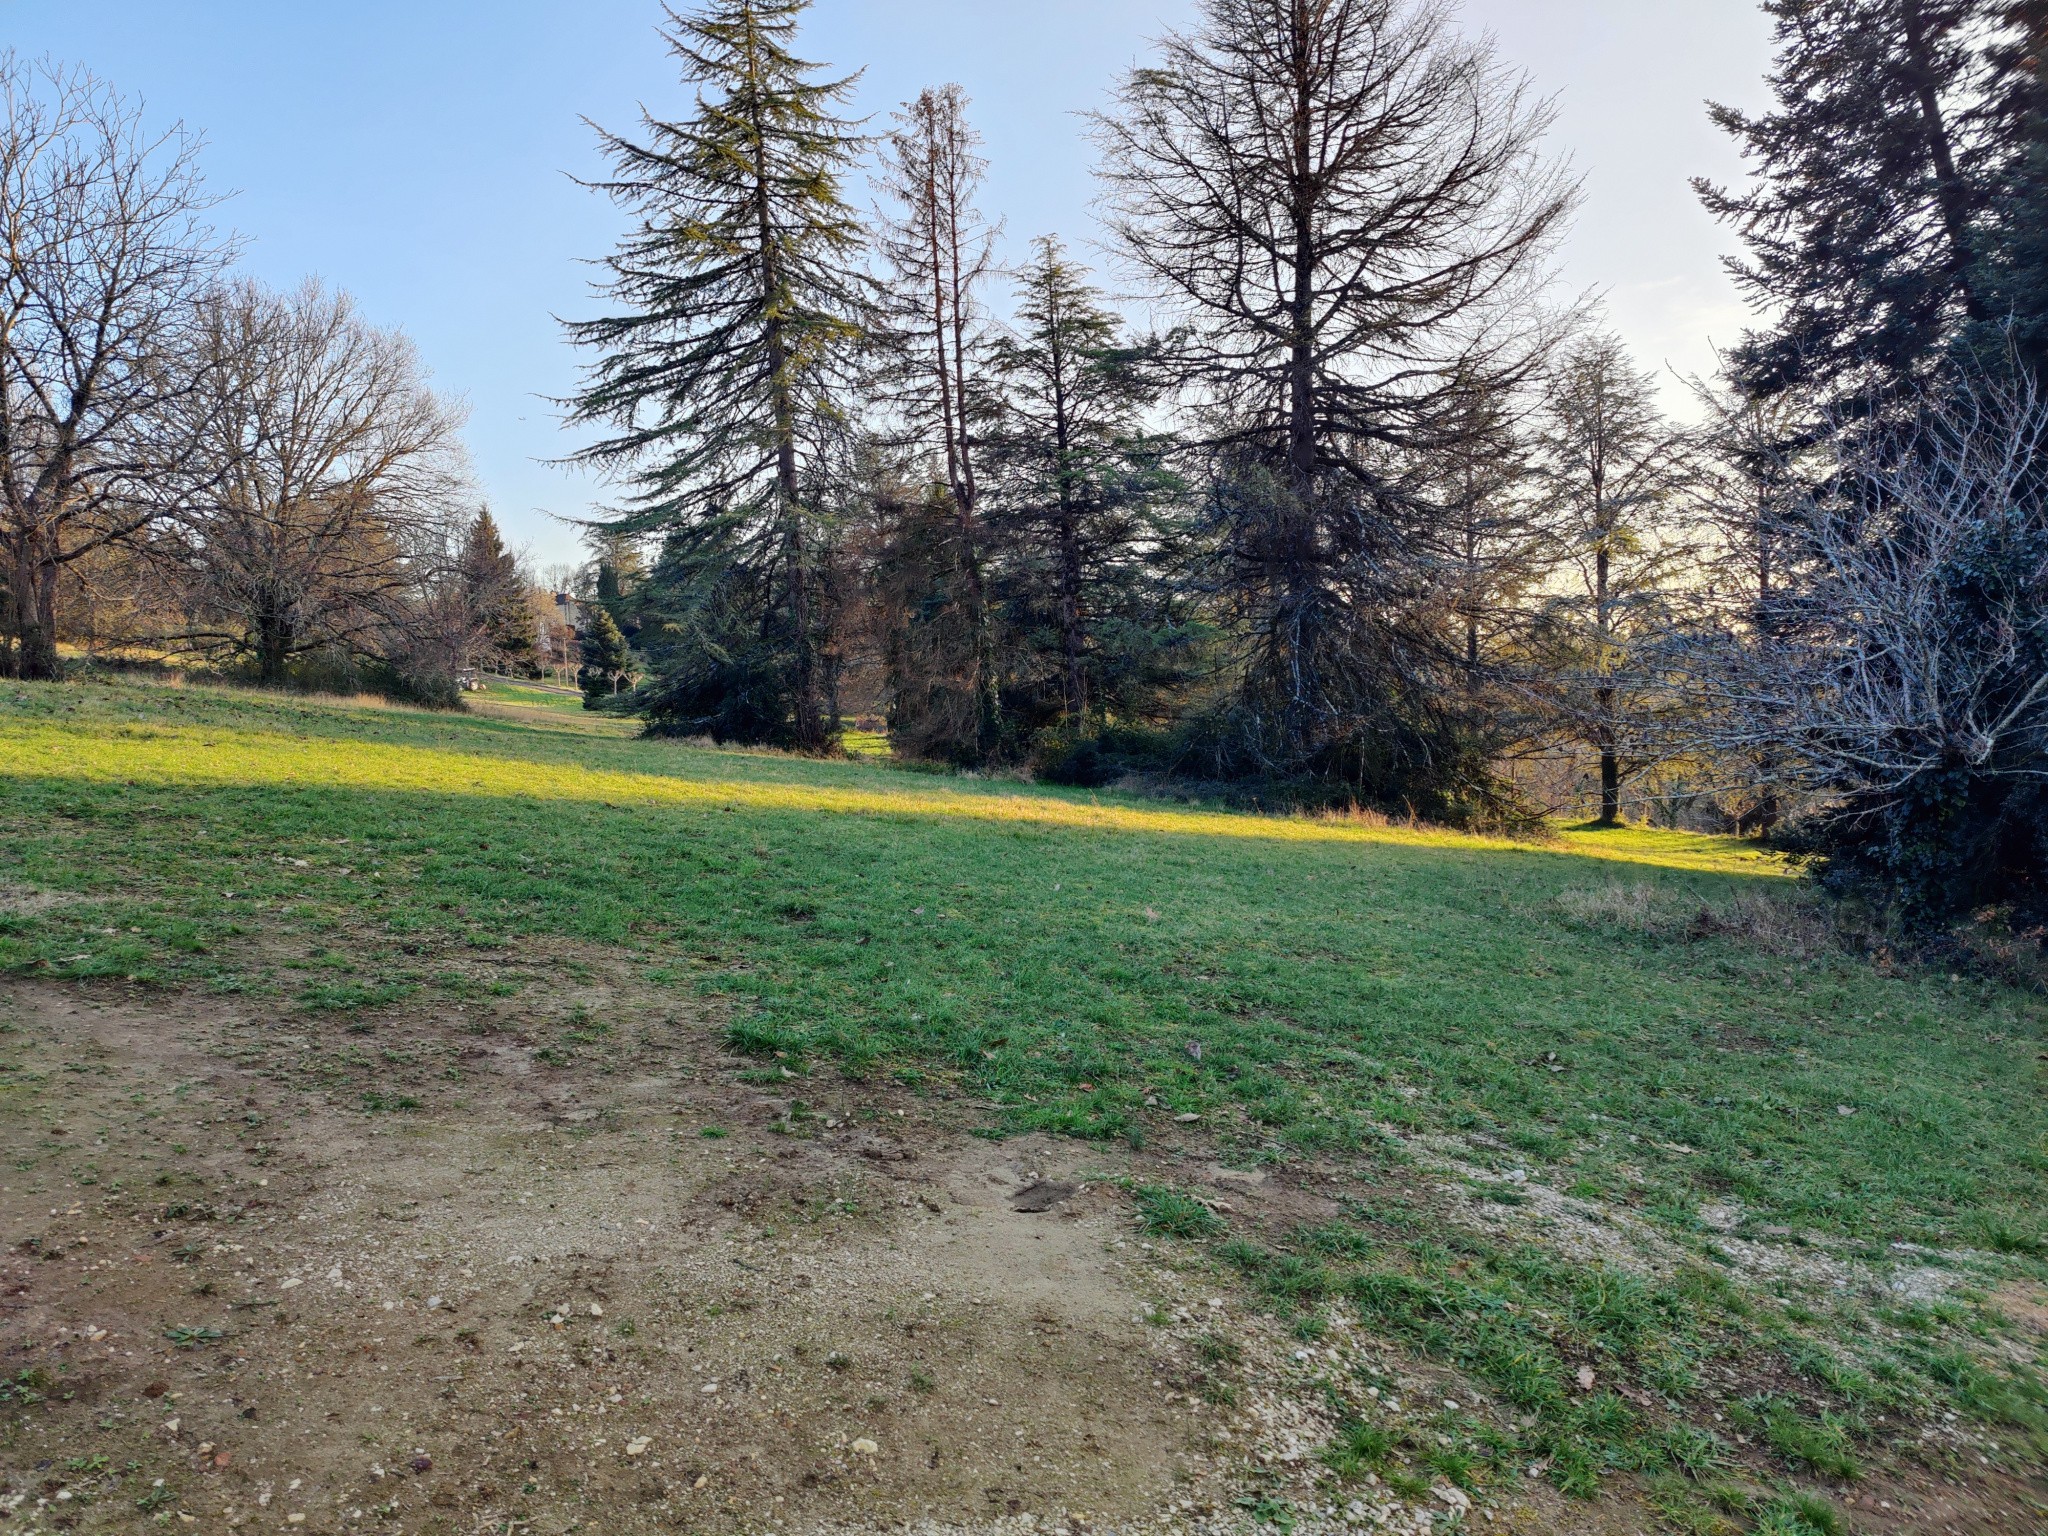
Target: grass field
{"points": [[1650, 1025]]}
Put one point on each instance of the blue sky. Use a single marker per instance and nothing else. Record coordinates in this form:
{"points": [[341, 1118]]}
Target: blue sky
{"points": [[420, 154]]}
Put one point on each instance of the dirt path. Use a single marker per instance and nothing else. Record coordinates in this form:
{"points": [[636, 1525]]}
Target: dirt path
{"points": [[495, 1266]]}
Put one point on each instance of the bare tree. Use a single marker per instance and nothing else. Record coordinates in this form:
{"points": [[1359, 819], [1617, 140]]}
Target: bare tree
{"points": [[1612, 463], [1344, 204], [1915, 639], [331, 484], [104, 246], [940, 252]]}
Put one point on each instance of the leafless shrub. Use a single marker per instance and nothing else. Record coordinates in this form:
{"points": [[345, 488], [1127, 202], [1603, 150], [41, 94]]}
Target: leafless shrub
{"points": [[1872, 664]]}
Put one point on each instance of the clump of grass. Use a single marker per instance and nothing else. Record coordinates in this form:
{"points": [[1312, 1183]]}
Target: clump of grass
{"points": [[1170, 1212], [1790, 924], [1359, 1448], [1821, 1444], [1800, 1514]]}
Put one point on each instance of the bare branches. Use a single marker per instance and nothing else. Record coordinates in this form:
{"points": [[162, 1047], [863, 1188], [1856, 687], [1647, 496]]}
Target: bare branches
{"points": [[104, 246], [1914, 640], [327, 482], [1347, 204]]}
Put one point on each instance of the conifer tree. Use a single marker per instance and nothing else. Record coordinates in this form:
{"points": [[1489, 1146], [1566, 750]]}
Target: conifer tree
{"points": [[1079, 478], [1345, 206], [735, 314], [1874, 177], [494, 595], [607, 661], [939, 252], [1612, 462]]}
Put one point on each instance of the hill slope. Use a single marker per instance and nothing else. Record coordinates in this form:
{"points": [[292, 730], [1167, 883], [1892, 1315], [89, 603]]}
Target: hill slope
{"points": [[1697, 1205]]}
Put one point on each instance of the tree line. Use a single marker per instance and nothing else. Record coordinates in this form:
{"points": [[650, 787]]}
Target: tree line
{"points": [[196, 464], [1370, 512], [1366, 511]]}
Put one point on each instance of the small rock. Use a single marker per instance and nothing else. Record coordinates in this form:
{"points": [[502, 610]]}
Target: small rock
{"points": [[1187, 1119], [596, 1310], [422, 1463], [1585, 1378], [638, 1446], [866, 1448]]}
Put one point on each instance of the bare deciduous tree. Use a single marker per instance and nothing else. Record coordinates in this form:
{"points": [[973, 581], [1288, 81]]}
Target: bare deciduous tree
{"points": [[1612, 463], [329, 482], [1914, 639], [104, 246]]}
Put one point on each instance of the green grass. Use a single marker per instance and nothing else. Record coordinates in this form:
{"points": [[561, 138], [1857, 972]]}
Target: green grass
{"points": [[1109, 967], [1333, 976], [1059, 953]]}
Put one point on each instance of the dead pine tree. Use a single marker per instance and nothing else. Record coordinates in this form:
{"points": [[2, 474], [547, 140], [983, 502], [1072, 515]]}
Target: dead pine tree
{"points": [[939, 253], [1344, 206]]}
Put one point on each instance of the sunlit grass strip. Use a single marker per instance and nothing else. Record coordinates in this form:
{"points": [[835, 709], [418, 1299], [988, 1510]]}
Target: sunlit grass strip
{"points": [[195, 757]]}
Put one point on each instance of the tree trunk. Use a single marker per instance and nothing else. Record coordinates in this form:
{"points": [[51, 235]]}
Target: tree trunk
{"points": [[1070, 615], [808, 726], [1610, 764], [1298, 538], [1604, 697], [32, 594], [273, 649], [1950, 193]]}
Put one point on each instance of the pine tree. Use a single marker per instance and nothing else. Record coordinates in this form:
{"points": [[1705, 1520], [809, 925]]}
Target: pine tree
{"points": [[1874, 177], [607, 661], [494, 595], [1080, 482], [737, 312], [1345, 206]]}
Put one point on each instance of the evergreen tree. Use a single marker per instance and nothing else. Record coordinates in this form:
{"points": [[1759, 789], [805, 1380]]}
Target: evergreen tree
{"points": [[2019, 233], [1345, 206], [607, 661], [737, 312], [494, 596], [1080, 485], [1875, 176]]}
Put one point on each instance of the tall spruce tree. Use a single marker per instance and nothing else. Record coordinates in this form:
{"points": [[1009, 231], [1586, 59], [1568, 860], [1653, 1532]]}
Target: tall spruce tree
{"points": [[494, 597], [737, 309], [1875, 178], [607, 661]]}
